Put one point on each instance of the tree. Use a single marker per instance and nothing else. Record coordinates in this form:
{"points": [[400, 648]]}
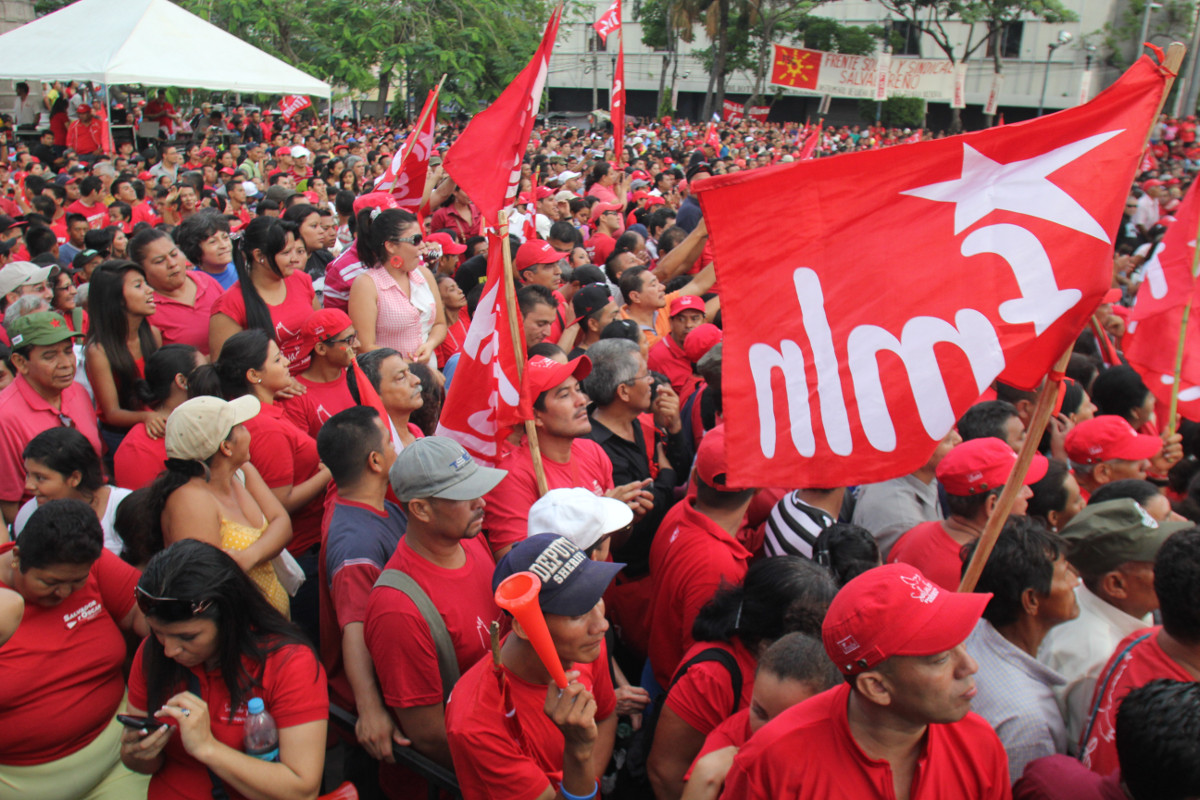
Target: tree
{"points": [[782, 21]]}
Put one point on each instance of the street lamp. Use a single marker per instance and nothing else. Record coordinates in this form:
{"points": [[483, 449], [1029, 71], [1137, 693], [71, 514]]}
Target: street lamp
{"points": [[1064, 37], [1146, 22]]}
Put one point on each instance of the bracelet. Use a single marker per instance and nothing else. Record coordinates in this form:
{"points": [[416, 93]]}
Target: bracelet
{"points": [[568, 796]]}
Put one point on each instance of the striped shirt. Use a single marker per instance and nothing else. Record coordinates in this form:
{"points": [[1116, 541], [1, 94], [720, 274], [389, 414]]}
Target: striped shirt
{"points": [[793, 527]]}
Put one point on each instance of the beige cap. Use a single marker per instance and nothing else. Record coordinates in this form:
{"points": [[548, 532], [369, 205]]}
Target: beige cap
{"points": [[21, 273], [196, 428]]}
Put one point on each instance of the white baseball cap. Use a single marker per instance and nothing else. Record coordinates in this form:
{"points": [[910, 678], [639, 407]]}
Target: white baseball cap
{"points": [[578, 515]]}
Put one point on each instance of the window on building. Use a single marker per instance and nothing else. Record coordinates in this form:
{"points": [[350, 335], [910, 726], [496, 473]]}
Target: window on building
{"points": [[594, 43], [906, 38], [1010, 40]]}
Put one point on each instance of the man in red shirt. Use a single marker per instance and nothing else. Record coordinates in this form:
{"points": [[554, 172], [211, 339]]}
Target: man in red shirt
{"points": [[89, 205], [694, 551], [461, 216], [901, 726], [551, 397], [1106, 448], [88, 135], [973, 474], [441, 490], [513, 734], [668, 356], [1169, 651], [606, 223]]}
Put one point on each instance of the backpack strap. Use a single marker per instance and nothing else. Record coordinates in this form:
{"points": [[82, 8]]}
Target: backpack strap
{"points": [[1103, 687], [447, 660], [725, 659]]}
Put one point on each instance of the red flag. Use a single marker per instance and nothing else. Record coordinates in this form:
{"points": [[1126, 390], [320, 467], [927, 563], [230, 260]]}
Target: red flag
{"points": [[293, 104], [810, 144], [758, 113], [617, 106], [732, 112], [485, 161], [916, 137], [1167, 280], [367, 396], [712, 138], [609, 21], [405, 176], [868, 350], [481, 405], [1150, 347], [792, 66]]}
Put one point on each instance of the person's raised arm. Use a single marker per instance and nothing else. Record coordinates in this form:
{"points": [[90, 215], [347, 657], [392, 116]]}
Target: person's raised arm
{"points": [[683, 255]]}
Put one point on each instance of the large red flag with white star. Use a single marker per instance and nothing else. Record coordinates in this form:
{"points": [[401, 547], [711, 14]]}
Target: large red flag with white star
{"points": [[911, 278]]}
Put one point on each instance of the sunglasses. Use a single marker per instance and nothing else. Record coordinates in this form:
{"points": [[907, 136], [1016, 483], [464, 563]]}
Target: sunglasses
{"points": [[414, 240], [168, 608]]}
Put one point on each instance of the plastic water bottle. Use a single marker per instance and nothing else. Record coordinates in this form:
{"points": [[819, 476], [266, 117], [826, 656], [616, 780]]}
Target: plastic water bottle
{"points": [[261, 737]]}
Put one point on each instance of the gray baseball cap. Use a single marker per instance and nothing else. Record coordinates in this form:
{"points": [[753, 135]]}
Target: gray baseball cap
{"points": [[438, 466]]}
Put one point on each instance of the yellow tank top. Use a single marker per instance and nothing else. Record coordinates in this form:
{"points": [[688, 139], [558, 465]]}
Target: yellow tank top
{"points": [[235, 536]]}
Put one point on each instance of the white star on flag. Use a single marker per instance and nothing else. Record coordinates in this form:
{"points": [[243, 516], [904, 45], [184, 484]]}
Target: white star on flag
{"points": [[1020, 186]]}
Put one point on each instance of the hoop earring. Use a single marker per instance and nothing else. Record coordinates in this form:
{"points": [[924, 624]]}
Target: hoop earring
{"points": [[395, 262]]}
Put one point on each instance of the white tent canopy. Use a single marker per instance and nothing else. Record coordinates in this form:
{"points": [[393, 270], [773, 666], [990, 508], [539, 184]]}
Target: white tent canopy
{"points": [[149, 42]]}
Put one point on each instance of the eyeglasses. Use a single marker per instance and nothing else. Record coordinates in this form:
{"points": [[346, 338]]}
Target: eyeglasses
{"points": [[344, 340], [414, 240], [646, 377], [168, 608]]}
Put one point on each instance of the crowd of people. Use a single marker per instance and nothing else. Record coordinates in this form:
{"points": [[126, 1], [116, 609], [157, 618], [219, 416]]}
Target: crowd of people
{"points": [[224, 363]]}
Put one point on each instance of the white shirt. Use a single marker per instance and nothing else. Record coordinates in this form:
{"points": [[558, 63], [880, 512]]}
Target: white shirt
{"points": [[1079, 649], [26, 112], [112, 541]]}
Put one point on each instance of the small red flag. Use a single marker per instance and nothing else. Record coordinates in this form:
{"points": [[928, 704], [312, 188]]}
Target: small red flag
{"points": [[795, 67], [810, 144], [485, 161], [617, 106], [481, 405], [405, 176], [712, 138], [854, 375], [609, 21], [293, 104]]}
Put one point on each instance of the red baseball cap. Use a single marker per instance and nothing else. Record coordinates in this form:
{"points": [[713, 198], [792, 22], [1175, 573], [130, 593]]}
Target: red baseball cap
{"points": [[687, 302], [449, 246], [711, 464], [600, 208], [1109, 436], [145, 176], [380, 200], [700, 340], [895, 610], [981, 465], [283, 151], [536, 251], [208, 151], [543, 374], [1151, 183], [322, 325], [542, 192]]}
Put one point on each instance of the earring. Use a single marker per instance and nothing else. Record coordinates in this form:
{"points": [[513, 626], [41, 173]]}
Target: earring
{"points": [[395, 262]]}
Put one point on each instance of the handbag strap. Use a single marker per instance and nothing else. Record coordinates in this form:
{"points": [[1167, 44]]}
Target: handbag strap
{"points": [[218, 788], [447, 660]]}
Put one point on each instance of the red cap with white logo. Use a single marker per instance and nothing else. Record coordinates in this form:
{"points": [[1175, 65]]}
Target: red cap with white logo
{"points": [[983, 465], [895, 610], [1109, 436]]}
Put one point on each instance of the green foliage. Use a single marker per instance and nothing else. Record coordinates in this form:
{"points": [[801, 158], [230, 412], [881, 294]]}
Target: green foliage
{"points": [[898, 112], [1120, 38], [821, 33]]}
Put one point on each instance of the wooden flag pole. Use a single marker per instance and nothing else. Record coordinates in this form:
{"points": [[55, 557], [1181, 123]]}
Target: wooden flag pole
{"points": [[1171, 63], [1047, 399], [514, 327]]}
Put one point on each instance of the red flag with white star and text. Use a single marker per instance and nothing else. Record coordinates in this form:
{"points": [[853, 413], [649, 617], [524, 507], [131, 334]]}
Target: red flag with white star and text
{"points": [[405, 175], [911, 278]]}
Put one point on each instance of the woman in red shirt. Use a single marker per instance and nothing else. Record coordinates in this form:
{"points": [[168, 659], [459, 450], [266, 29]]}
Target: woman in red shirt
{"points": [[458, 321], [273, 293], [62, 284], [216, 645]]}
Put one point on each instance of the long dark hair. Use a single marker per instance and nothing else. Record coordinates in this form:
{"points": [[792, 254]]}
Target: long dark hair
{"points": [[66, 450], [161, 368], [243, 351], [249, 629], [782, 594], [110, 328], [375, 228], [268, 235]]}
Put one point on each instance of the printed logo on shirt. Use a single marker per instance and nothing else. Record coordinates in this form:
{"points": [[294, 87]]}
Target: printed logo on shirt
{"points": [[923, 590], [89, 610]]}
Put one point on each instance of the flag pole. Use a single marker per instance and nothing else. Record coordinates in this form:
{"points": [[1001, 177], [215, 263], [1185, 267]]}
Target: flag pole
{"points": [[1047, 400], [424, 115], [514, 327]]}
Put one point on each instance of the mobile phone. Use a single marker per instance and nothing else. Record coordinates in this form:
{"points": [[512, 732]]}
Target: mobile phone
{"points": [[138, 723]]}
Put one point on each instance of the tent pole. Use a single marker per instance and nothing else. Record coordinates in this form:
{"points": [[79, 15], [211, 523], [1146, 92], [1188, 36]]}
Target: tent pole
{"points": [[112, 140]]}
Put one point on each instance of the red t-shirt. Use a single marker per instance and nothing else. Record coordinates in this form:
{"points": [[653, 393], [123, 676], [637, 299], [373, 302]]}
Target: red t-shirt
{"points": [[506, 519], [733, 732], [600, 247], [97, 215], [24, 414], [690, 556], [144, 212], [139, 459], [184, 324], [704, 695], [490, 761], [1137, 666], [398, 637], [808, 752], [930, 549], [311, 410], [668, 358], [54, 706], [285, 455], [356, 541], [292, 688], [454, 338], [288, 316]]}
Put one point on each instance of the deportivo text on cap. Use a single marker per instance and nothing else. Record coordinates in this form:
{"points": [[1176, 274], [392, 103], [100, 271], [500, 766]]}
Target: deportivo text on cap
{"points": [[578, 515], [572, 583], [196, 428], [438, 466], [1106, 535], [1105, 437], [894, 610], [983, 465], [543, 374]]}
